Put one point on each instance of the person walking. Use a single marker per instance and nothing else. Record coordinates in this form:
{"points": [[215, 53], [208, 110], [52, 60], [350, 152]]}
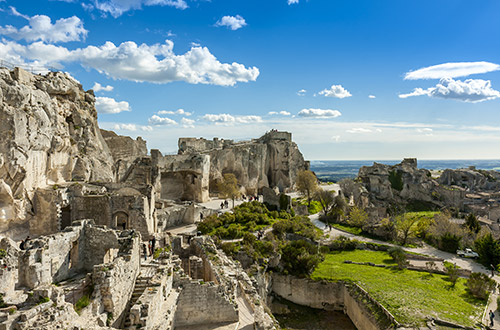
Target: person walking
{"points": [[145, 251], [492, 317]]}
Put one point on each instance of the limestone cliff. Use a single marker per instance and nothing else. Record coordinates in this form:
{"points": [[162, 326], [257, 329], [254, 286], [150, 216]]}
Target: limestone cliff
{"points": [[273, 160], [49, 134]]}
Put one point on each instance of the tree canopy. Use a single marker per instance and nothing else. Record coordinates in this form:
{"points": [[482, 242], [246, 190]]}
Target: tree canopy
{"points": [[307, 183]]}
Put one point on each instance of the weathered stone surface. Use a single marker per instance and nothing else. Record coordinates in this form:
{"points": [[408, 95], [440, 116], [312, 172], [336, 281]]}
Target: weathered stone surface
{"points": [[273, 160], [124, 150], [48, 125]]}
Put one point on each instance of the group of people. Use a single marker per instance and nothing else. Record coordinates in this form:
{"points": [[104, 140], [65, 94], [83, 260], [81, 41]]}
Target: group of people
{"points": [[224, 204], [148, 249]]}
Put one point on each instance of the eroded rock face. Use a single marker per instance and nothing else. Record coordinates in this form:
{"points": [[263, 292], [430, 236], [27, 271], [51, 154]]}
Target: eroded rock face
{"points": [[471, 179], [49, 134], [273, 160], [124, 150]]}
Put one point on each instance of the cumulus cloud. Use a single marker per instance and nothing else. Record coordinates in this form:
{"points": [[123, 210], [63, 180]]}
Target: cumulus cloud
{"points": [[117, 7], [98, 87], [227, 119], [187, 123], [372, 96], [335, 91], [41, 28], [141, 63], [157, 120], [177, 112], [302, 92], [110, 105], [283, 113], [470, 90], [232, 22], [452, 70], [319, 113]]}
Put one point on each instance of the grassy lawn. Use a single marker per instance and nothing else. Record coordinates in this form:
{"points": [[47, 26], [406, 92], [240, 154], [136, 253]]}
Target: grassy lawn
{"points": [[349, 229], [410, 296]]}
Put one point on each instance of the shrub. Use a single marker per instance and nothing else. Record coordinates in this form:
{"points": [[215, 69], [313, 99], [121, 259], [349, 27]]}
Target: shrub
{"points": [[2, 303], [343, 243], [480, 285], [299, 258], [452, 273], [472, 223], [449, 242], [3, 253], [395, 178], [399, 256]]}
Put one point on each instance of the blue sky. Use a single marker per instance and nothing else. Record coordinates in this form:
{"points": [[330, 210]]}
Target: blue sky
{"points": [[350, 79]]}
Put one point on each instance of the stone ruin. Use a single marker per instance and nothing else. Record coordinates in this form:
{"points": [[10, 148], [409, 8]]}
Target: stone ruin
{"points": [[88, 198], [380, 187]]}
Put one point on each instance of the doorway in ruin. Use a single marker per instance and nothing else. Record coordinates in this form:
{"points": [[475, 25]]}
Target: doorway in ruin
{"points": [[65, 217], [120, 220]]}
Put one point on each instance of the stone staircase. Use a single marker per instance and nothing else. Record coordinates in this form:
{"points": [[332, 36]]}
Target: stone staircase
{"points": [[141, 283]]}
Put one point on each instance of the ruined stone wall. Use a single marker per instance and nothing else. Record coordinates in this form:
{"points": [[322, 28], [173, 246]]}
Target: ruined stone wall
{"points": [[183, 177], [8, 267], [321, 295], [202, 304], [114, 281], [270, 161]]}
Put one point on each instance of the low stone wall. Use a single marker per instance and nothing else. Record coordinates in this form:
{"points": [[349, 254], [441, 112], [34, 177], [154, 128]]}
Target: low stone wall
{"points": [[315, 294], [351, 298]]}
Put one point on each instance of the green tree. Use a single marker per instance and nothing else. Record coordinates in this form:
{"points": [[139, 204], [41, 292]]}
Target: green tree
{"points": [[300, 258], [480, 285], [405, 227], [452, 273], [307, 183], [357, 217], [326, 198], [399, 256], [228, 187], [472, 223], [488, 249]]}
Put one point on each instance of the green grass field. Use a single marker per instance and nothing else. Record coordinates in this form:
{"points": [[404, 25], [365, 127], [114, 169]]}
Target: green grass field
{"points": [[410, 296]]}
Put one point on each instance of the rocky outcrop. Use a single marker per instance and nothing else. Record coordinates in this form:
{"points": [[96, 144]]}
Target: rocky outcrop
{"points": [[471, 179], [48, 125], [124, 150], [272, 160]]}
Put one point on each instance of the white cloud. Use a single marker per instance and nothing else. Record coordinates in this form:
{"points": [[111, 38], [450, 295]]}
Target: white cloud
{"points": [[157, 120], [359, 130], [336, 138], [41, 28], [187, 123], [335, 91], [470, 90], [110, 105], [132, 127], [302, 92], [452, 70], [372, 96], [117, 7], [319, 113], [283, 113], [292, 2], [126, 127], [98, 87], [232, 22], [177, 112], [227, 119], [156, 63]]}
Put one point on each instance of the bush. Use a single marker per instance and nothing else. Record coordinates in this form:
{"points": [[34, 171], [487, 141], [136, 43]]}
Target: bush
{"points": [[480, 285], [452, 273], [299, 258], [449, 242], [488, 249], [399, 256], [3, 253], [343, 243]]}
